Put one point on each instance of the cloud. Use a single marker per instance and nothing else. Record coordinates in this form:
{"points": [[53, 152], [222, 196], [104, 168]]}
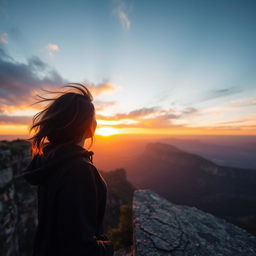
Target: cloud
{"points": [[121, 11], [102, 88], [103, 105], [249, 120], [52, 48], [126, 23], [137, 113], [4, 56], [148, 117], [36, 63], [205, 96], [6, 119], [142, 112], [214, 94], [151, 117], [3, 38], [18, 80], [223, 92], [189, 110], [233, 105]]}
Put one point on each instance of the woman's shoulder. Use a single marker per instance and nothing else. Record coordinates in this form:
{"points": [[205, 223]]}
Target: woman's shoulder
{"points": [[80, 169], [77, 173], [85, 167]]}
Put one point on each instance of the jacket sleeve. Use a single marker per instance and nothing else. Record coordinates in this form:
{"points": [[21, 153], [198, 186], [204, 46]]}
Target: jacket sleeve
{"points": [[77, 214]]}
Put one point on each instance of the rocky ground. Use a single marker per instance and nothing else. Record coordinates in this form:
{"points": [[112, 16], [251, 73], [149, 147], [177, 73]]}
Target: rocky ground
{"points": [[163, 228]]}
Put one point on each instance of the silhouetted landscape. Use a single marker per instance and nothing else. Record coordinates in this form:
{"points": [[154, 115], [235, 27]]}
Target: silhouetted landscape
{"points": [[171, 170]]}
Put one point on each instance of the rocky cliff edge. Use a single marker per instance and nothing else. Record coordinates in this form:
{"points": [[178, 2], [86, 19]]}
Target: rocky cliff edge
{"points": [[163, 228]]}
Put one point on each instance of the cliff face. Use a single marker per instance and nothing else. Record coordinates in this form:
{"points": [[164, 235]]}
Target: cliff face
{"points": [[163, 228], [120, 192], [17, 201]]}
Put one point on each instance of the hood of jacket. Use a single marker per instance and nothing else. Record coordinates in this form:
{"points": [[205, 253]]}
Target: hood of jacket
{"points": [[42, 165]]}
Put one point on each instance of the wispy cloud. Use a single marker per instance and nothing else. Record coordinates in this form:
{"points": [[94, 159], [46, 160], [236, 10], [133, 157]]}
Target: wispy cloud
{"points": [[208, 95], [249, 121], [126, 23], [102, 88], [219, 93], [233, 105], [6, 119], [102, 106], [189, 110], [121, 11], [230, 128], [223, 92], [3, 38], [52, 49], [149, 117]]}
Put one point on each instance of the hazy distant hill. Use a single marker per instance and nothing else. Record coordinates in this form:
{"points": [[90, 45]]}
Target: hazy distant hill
{"points": [[185, 178], [239, 152]]}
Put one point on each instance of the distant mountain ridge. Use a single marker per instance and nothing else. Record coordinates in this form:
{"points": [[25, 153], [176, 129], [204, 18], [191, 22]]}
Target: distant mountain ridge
{"points": [[190, 179], [239, 153], [163, 149]]}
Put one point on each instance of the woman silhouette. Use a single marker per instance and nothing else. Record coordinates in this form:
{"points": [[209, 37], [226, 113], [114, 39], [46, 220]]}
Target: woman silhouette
{"points": [[71, 192]]}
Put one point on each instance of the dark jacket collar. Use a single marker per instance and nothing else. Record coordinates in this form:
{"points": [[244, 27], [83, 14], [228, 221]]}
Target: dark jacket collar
{"points": [[42, 165]]}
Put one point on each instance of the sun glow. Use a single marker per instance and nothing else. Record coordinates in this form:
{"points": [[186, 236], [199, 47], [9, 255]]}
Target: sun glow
{"points": [[116, 122], [106, 131]]}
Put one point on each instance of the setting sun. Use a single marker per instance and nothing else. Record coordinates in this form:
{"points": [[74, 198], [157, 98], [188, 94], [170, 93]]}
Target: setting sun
{"points": [[106, 131]]}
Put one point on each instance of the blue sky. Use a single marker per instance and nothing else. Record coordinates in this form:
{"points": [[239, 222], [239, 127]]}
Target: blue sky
{"points": [[193, 59]]}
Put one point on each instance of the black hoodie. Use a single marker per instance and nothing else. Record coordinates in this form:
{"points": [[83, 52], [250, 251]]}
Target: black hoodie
{"points": [[71, 203]]}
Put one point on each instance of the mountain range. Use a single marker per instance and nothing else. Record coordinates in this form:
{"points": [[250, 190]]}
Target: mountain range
{"points": [[189, 179]]}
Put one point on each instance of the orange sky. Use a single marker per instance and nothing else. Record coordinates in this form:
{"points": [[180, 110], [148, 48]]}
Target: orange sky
{"points": [[110, 130], [113, 119]]}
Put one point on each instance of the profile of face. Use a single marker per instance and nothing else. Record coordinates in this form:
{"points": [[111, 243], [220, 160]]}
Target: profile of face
{"points": [[94, 124], [91, 131]]}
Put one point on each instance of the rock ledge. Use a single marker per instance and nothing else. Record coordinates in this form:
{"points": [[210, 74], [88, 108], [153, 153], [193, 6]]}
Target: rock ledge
{"points": [[163, 228]]}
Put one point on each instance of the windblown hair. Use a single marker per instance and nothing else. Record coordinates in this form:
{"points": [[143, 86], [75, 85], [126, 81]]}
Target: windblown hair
{"points": [[64, 120]]}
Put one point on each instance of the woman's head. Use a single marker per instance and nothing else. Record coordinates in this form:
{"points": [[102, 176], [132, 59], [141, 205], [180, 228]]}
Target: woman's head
{"points": [[68, 118]]}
